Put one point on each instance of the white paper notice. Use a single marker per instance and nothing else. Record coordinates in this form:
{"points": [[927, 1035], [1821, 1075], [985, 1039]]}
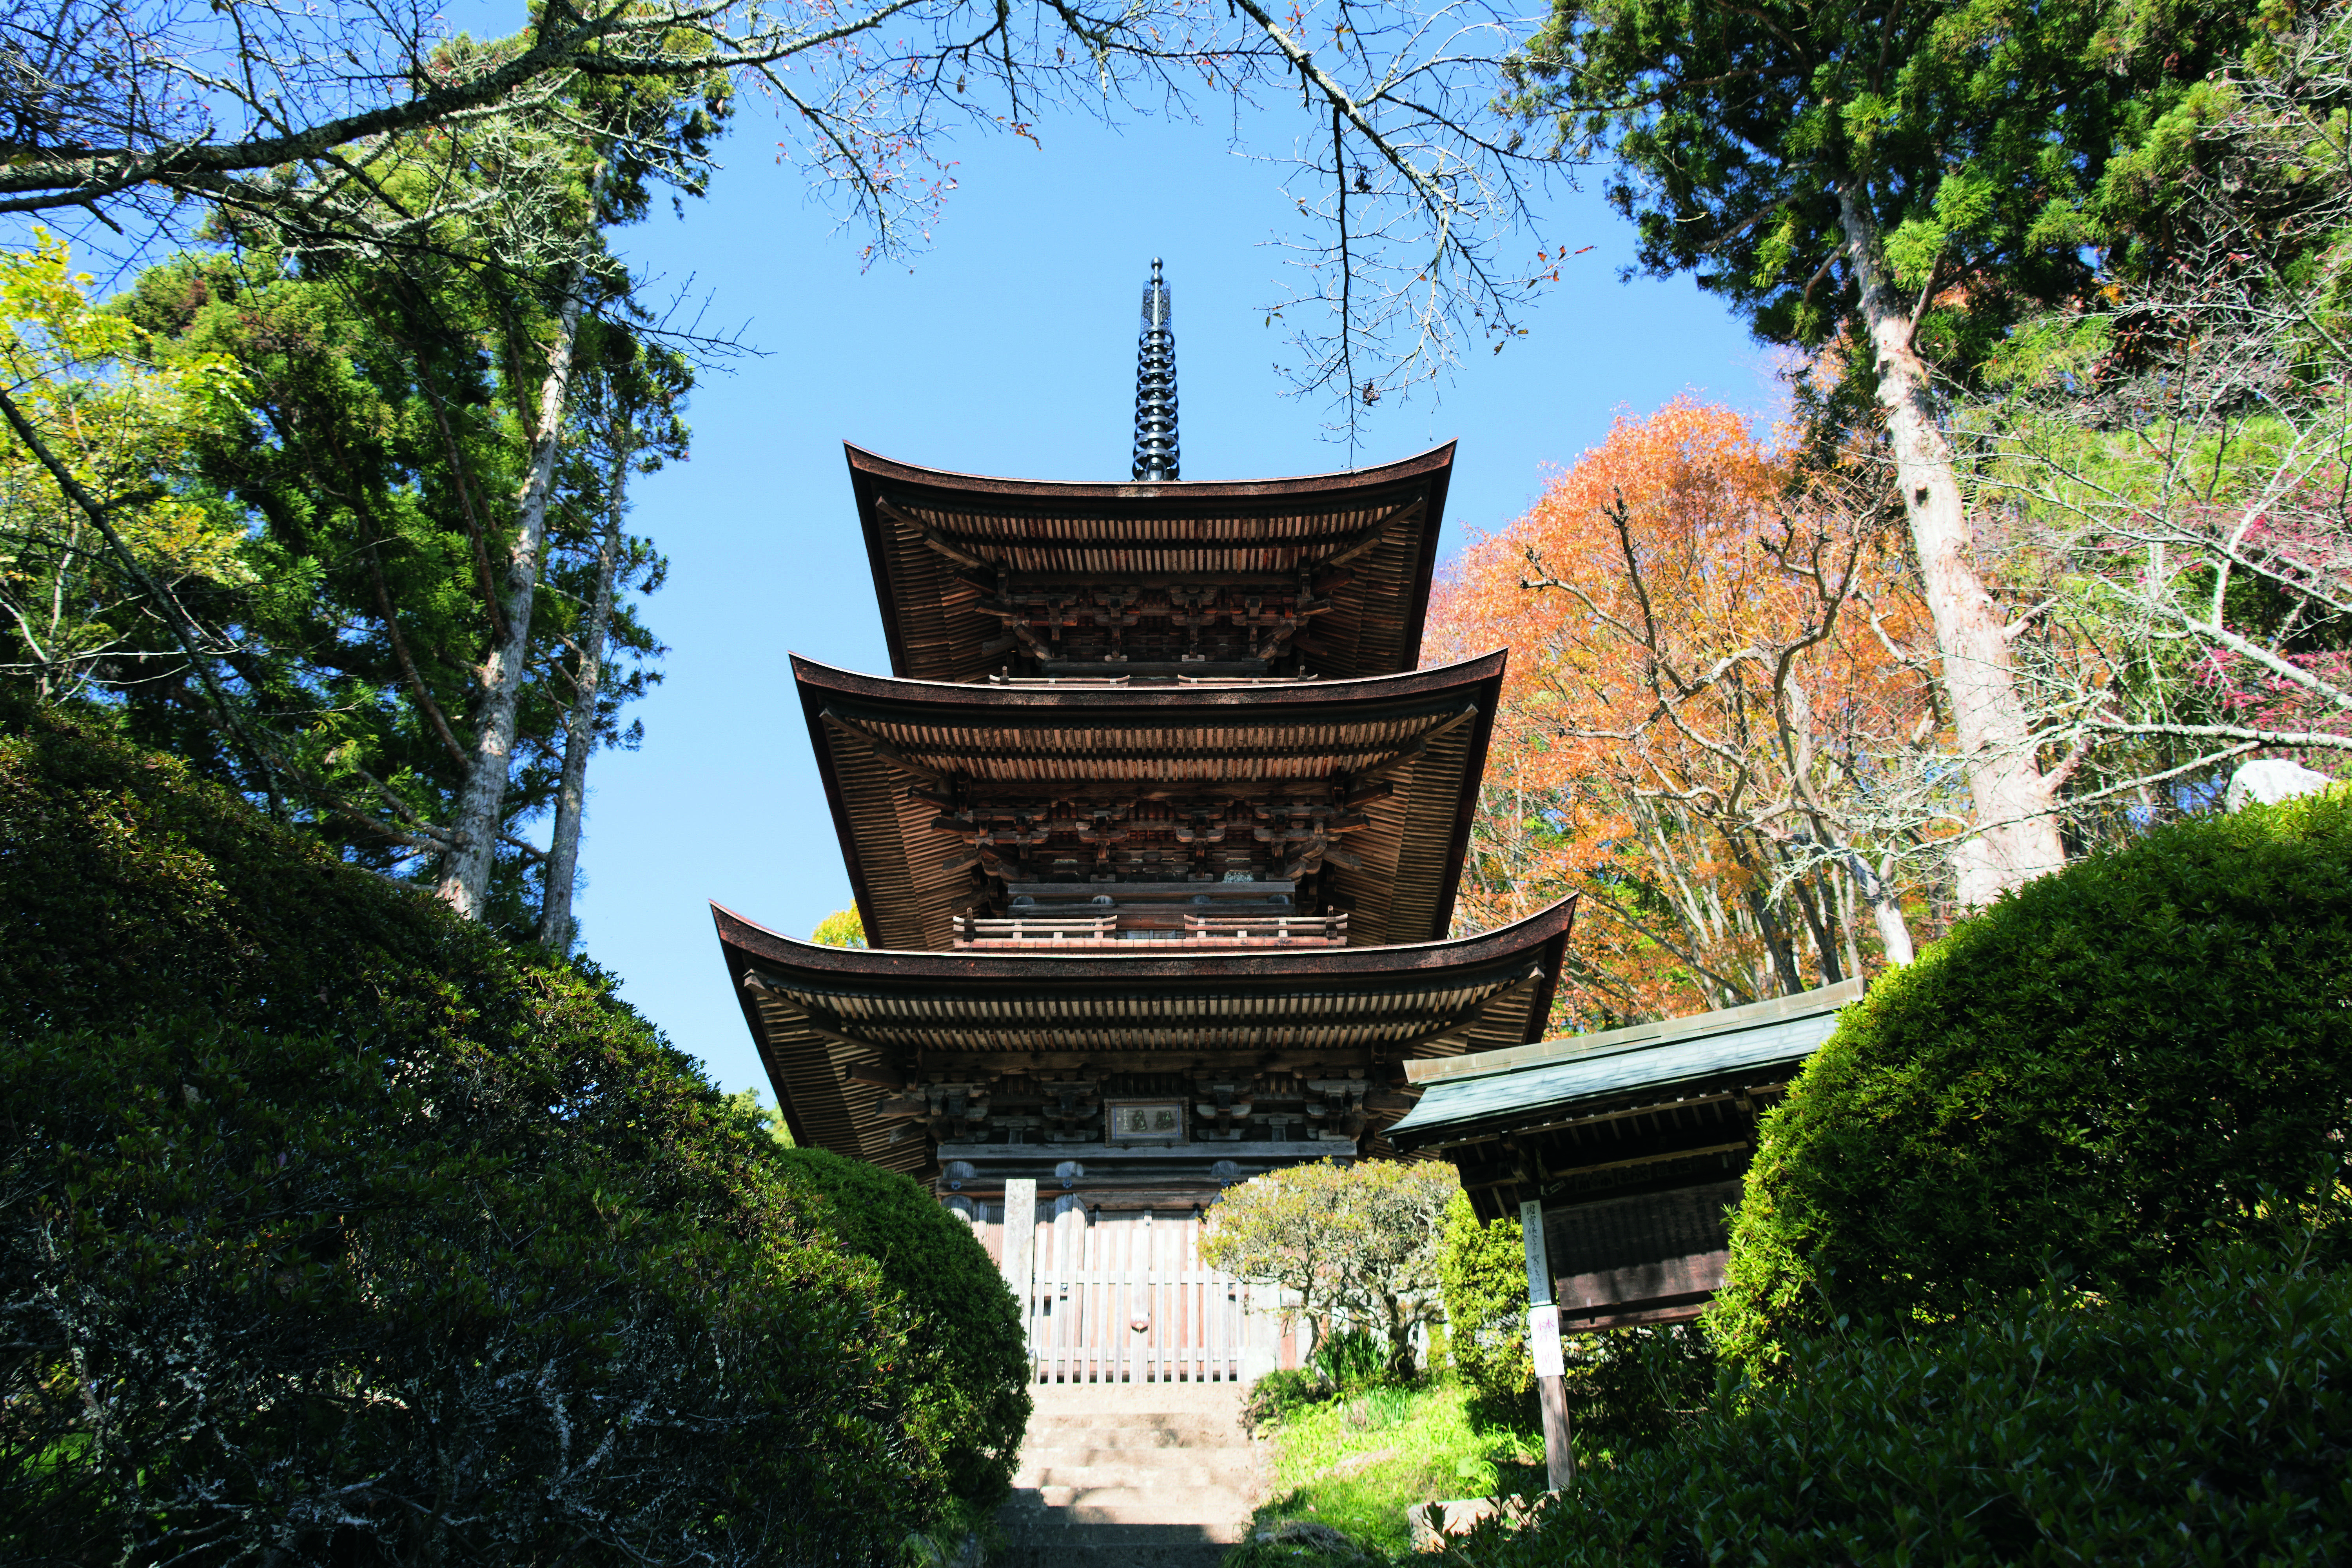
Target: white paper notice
{"points": [[1543, 1340]]}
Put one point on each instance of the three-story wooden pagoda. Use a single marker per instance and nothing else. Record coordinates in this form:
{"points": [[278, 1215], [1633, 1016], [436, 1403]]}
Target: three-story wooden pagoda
{"points": [[1154, 830]]}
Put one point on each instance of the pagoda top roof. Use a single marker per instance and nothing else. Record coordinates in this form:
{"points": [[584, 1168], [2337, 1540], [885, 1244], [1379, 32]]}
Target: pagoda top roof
{"points": [[1368, 785], [945, 546], [822, 1014]]}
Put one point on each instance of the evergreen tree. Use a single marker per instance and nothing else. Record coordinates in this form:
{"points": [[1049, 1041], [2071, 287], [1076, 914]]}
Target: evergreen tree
{"points": [[1904, 180]]}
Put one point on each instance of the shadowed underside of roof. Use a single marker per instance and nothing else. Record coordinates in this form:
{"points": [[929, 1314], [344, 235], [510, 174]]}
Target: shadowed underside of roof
{"points": [[840, 1030], [978, 576], [1357, 792]]}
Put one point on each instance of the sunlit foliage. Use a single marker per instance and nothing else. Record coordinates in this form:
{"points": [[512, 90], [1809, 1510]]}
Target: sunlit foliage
{"points": [[1713, 730], [127, 429], [1355, 1245], [840, 929]]}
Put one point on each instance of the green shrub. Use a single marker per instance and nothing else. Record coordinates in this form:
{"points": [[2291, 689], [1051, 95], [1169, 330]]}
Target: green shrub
{"points": [[968, 1363], [1350, 1359], [1356, 1463], [2208, 1423], [276, 1294], [1279, 1394], [1633, 1388], [1299, 1544], [2084, 1079], [338, 1229], [1355, 1246], [1483, 1269]]}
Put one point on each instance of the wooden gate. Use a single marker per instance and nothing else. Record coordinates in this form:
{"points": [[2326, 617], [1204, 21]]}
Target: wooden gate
{"points": [[1127, 1300]]}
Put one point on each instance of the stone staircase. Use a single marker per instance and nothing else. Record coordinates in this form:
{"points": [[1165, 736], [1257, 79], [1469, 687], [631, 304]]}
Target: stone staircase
{"points": [[1128, 1475]]}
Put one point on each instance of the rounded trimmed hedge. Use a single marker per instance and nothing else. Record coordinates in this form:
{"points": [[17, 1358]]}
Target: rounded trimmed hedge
{"points": [[968, 1379], [339, 1228], [2207, 1422], [2091, 1079]]}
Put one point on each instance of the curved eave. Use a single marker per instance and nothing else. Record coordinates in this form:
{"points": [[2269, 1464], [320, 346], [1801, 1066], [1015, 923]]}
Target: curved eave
{"points": [[1440, 681], [1517, 967], [747, 943], [1408, 896], [1338, 485], [927, 639]]}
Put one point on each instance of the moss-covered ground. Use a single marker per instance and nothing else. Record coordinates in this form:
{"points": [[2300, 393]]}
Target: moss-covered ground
{"points": [[1357, 1461]]}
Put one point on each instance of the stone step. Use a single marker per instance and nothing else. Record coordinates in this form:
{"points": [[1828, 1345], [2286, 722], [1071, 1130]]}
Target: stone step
{"points": [[1093, 1451], [1235, 1474], [1126, 1554], [1134, 1398], [1042, 1537], [1132, 1476], [1105, 1431], [1220, 1512], [1113, 1551], [1102, 1532]]}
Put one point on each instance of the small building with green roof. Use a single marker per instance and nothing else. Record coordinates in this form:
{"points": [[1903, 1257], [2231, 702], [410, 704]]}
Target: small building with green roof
{"points": [[1630, 1144]]}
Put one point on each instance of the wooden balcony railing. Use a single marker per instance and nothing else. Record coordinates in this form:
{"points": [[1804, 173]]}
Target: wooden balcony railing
{"points": [[1128, 931], [970, 932]]}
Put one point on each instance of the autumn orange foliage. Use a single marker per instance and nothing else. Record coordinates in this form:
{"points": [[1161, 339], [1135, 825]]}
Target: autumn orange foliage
{"points": [[1708, 724]]}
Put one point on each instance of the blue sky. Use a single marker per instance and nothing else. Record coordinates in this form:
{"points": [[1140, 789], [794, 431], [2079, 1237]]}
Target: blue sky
{"points": [[1008, 348]]}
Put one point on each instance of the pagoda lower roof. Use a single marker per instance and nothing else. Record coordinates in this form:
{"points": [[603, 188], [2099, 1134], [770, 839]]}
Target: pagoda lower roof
{"points": [[942, 545], [839, 1029], [1129, 783]]}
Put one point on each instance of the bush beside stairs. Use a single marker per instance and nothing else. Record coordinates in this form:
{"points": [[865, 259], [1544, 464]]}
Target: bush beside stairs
{"points": [[1151, 1475]]}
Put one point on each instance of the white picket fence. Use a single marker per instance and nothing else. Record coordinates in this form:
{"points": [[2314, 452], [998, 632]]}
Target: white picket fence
{"points": [[1125, 1299]]}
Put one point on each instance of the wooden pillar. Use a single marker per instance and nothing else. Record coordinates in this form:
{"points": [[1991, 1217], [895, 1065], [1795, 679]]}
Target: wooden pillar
{"points": [[1543, 1344], [1020, 1258]]}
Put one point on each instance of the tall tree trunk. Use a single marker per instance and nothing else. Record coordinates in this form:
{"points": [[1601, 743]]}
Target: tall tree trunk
{"points": [[2016, 836], [465, 873], [580, 728], [1894, 932]]}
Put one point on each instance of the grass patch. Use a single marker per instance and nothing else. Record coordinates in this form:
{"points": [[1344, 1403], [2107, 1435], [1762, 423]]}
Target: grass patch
{"points": [[1357, 1461]]}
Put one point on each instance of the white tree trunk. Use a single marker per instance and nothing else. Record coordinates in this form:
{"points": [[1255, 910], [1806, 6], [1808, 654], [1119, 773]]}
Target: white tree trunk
{"points": [[579, 727], [465, 872], [2016, 835], [1893, 931]]}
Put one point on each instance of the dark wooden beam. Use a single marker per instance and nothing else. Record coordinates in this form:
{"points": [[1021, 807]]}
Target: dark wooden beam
{"points": [[1657, 1158], [1179, 1060], [1339, 757], [986, 579], [1366, 538], [1496, 1131], [966, 551], [1411, 750], [884, 749]]}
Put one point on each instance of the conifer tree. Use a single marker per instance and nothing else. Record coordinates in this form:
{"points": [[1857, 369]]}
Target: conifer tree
{"points": [[1909, 180]]}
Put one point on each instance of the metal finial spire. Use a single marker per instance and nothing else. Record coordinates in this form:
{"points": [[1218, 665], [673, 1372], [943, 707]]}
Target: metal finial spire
{"points": [[1156, 455]]}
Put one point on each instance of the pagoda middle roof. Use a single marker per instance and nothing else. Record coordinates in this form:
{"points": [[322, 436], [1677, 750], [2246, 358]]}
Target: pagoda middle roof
{"points": [[825, 1017], [926, 526], [891, 752]]}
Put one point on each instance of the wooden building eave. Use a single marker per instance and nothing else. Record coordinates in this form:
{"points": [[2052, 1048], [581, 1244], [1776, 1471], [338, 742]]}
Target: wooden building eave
{"points": [[853, 1037], [1649, 1107], [1389, 764], [943, 547]]}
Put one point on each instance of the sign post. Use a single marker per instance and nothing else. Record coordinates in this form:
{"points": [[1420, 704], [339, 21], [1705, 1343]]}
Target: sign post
{"points": [[1543, 1345], [1020, 1254]]}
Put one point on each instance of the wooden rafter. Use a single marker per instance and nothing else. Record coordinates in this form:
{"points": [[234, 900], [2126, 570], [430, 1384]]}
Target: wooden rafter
{"points": [[884, 749], [967, 551], [1412, 749]]}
